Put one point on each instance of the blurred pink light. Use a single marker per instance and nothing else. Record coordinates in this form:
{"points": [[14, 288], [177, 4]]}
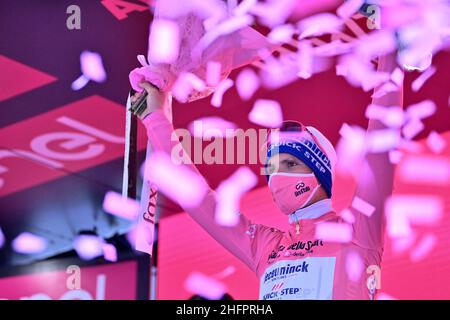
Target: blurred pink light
{"points": [[421, 110], [349, 8], [178, 182], [334, 232], [2, 238], [205, 286], [347, 216], [266, 113], [28, 243], [117, 205], [319, 24], [88, 246], [383, 140], [164, 41], [420, 81]]}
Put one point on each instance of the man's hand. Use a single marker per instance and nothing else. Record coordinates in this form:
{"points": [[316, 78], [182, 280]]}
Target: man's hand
{"points": [[155, 99]]}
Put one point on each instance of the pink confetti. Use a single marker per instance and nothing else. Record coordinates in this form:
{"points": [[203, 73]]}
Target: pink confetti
{"points": [[282, 34], [91, 69], [347, 216], [229, 193], [354, 266], [109, 252], [385, 89], [273, 12], [209, 127], [205, 286], [117, 205], [363, 206], [28, 243], [305, 60], [412, 128], [420, 81], [88, 246], [351, 149], [390, 116], [398, 76], [380, 42], [213, 72], [402, 244], [421, 110], [244, 7], [216, 99], [266, 113], [435, 142], [423, 249], [385, 296], [185, 84], [247, 82], [383, 140], [164, 41], [349, 8], [334, 232], [319, 24], [277, 73], [429, 170], [403, 210], [178, 182], [2, 238], [395, 156]]}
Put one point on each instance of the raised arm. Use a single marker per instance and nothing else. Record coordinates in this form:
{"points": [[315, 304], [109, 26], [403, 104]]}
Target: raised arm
{"points": [[375, 183], [245, 240]]}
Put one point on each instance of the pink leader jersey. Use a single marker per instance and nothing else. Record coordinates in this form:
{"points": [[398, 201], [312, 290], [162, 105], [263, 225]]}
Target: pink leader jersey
{"points": [[289, 266]]}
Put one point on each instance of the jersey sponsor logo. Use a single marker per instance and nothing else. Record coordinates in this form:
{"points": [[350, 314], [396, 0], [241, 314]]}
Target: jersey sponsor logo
{"points": [[309, 278]]}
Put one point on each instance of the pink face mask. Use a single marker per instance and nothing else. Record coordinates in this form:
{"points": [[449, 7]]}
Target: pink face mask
{"points": [[292, 191]]}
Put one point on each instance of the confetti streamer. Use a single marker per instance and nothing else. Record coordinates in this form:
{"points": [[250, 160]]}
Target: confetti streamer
{"points": [[435, 142], [266, 113], [334, 232], [205, 286], [229, 193], [427, 170], [28, 243], [178, 182], [423, 249], [363, 206], [117, 205], [247, 82], [420, 81], [88, 247]]}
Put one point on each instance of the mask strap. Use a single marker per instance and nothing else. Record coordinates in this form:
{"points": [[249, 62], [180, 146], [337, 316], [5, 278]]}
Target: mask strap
{"points": [[311, 195]]}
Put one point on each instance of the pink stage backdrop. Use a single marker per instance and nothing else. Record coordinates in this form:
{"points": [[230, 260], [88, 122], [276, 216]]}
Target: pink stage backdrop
{"points": [[185, 247]]}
